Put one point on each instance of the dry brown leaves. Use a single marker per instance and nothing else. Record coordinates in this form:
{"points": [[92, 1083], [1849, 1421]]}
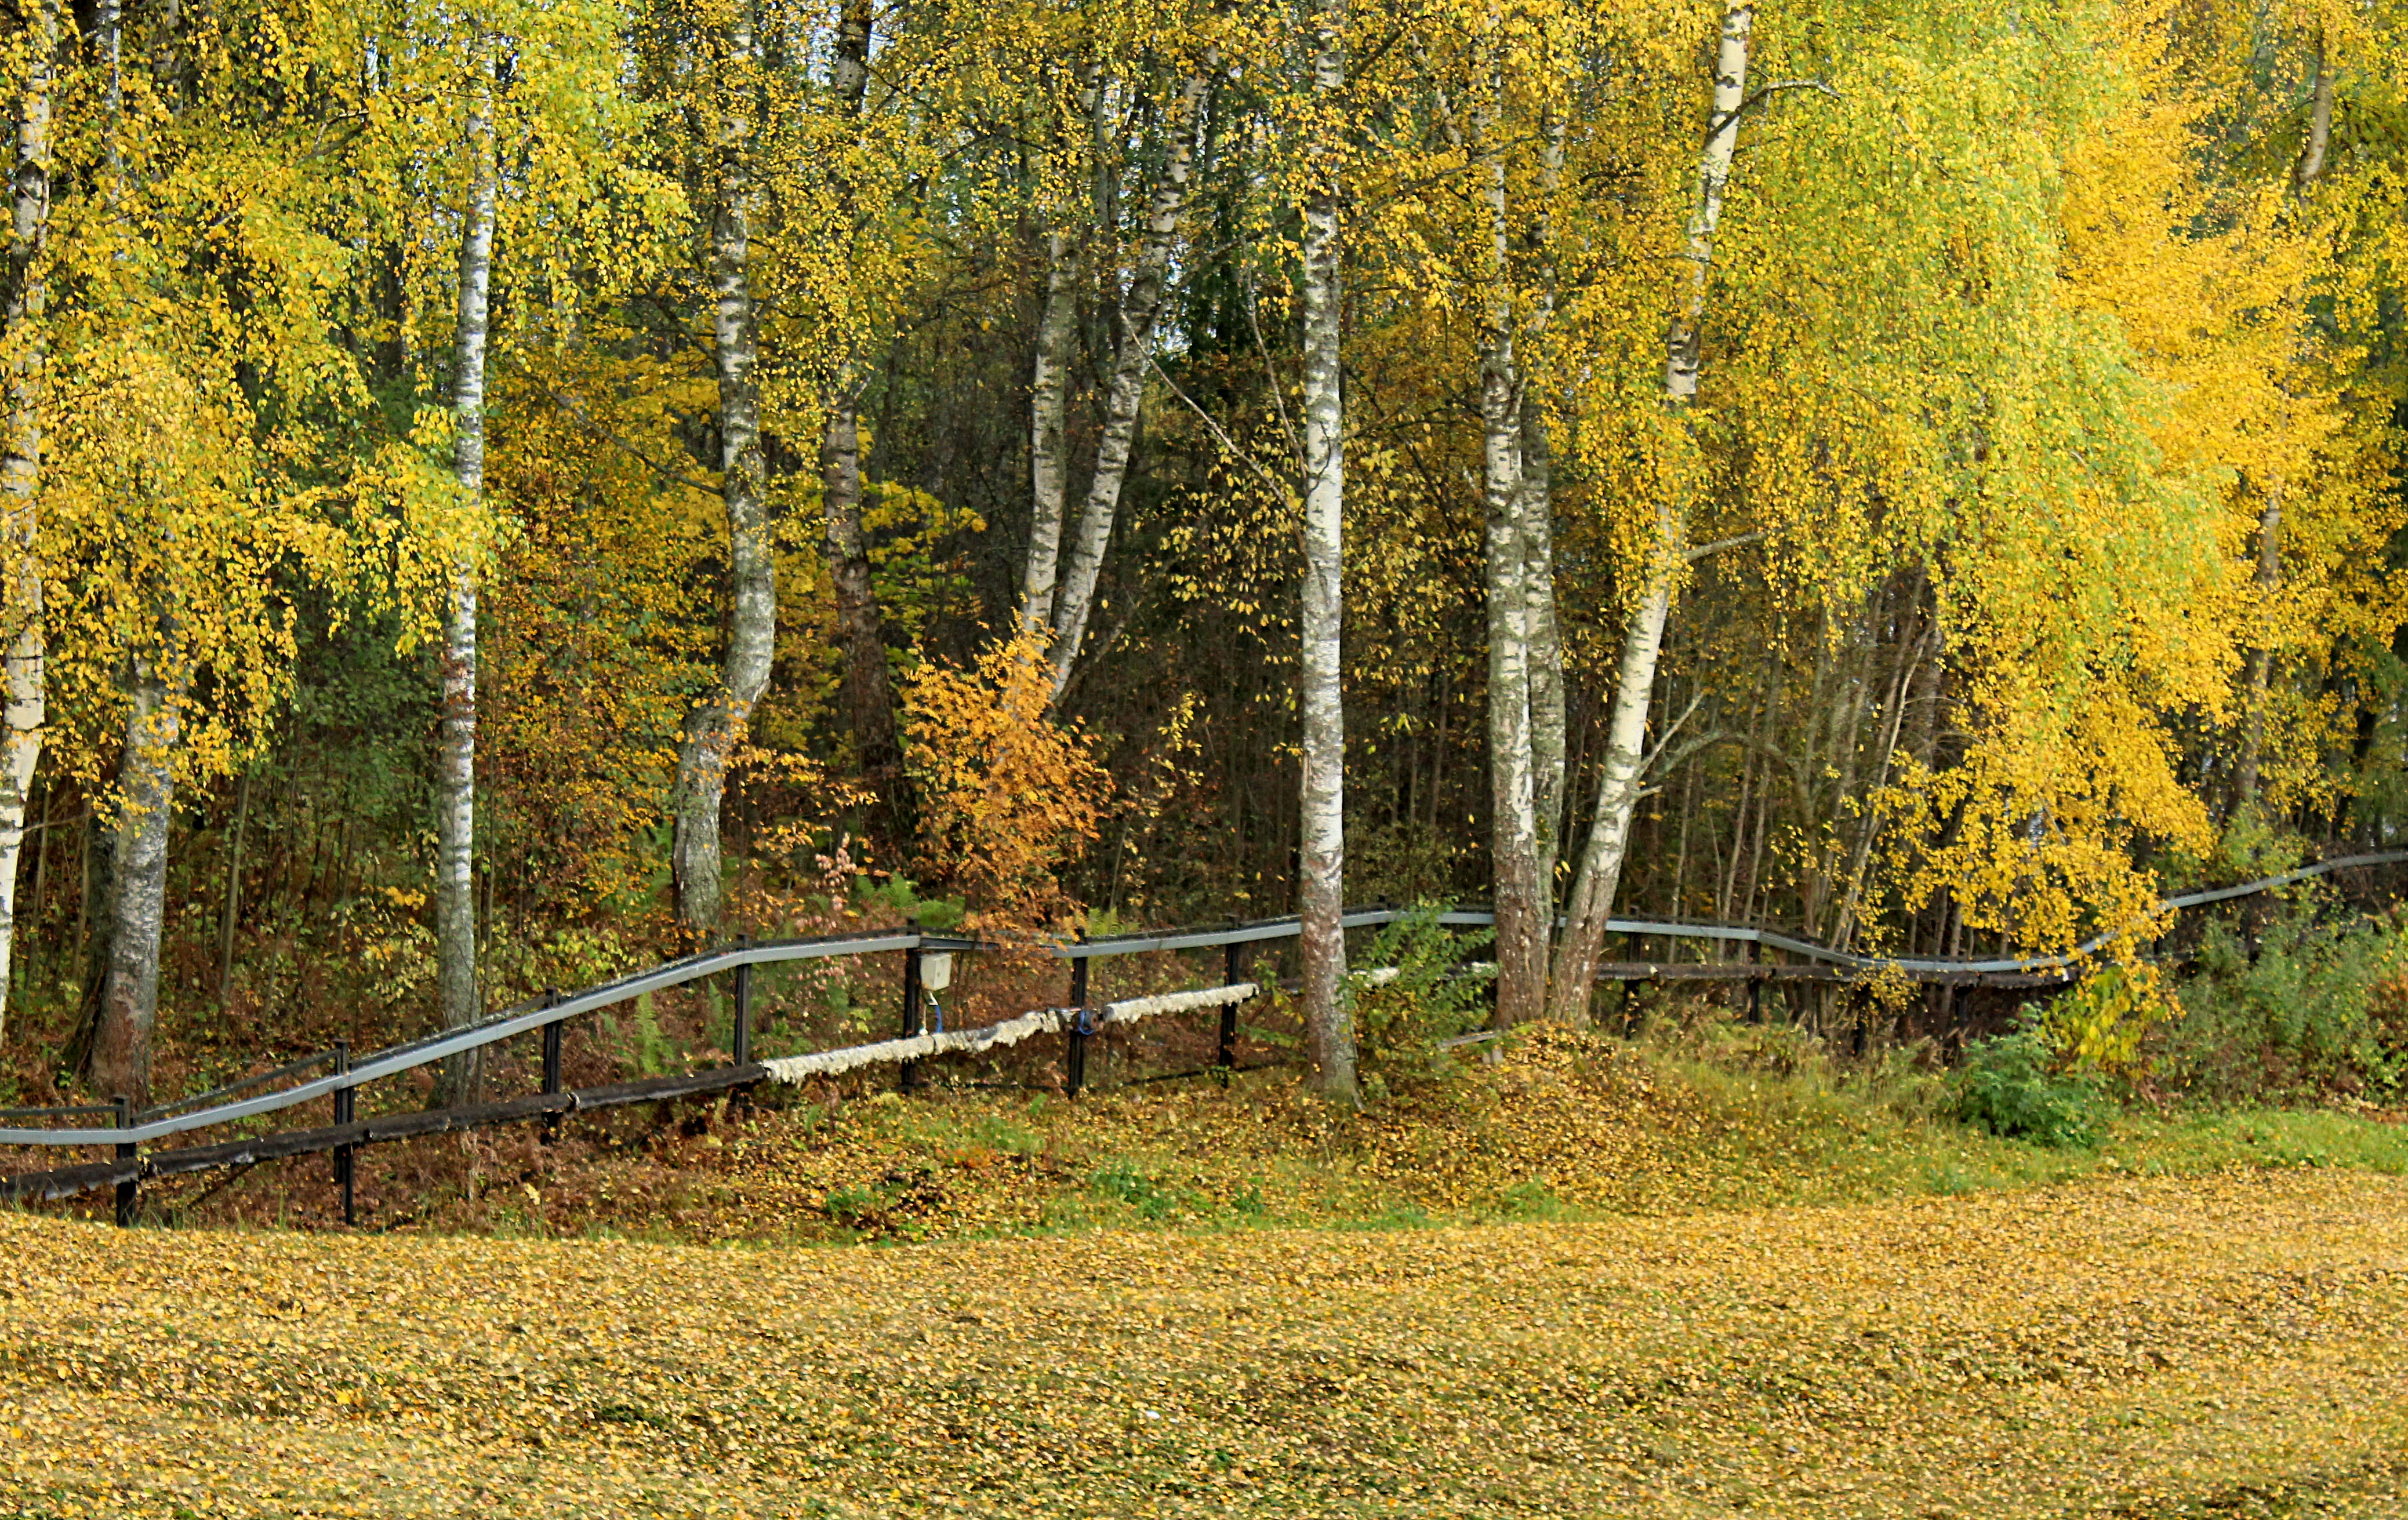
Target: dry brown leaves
{"points": [[2146, 1349]]}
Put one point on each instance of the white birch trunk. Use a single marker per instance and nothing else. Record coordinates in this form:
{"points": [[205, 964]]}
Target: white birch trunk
{"points": [[712, 727], [21, 469], [1140, 308], [1329, 1023], [1548, 741], [455, 906], [1513, 834], [1600, 866], [2311, 165], [1049, 407], [129, 994]]}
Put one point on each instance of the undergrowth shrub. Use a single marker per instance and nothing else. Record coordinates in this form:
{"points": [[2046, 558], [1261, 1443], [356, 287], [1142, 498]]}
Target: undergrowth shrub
{"points": [[2321, 1010], [2014, 1087], [2098, 1024], [1791, 1064], [1437, 993]]}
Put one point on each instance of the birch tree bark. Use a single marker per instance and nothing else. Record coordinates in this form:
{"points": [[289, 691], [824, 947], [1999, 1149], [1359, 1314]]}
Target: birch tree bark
{"points": [[1514, 838], [20, 464], [1548, 742], [129, 991], [1600, 866], [1049, 406], [1536, 513], [712, 727], [1329, 1022], [1140, 308], [2310, 164], [869, 687], [455, 902]]}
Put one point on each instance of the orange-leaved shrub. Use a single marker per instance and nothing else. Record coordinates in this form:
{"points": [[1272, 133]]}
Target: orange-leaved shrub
{"points": [[1009, 794]]}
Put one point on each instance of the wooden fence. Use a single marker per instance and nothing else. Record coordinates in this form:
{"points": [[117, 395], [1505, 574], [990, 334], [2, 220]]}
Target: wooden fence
{"points": [[133, 1136]]}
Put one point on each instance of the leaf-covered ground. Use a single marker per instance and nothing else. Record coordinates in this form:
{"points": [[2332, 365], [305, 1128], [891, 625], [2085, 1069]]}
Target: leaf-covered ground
{"points": [[1563, 1126], [2234, 1346]]}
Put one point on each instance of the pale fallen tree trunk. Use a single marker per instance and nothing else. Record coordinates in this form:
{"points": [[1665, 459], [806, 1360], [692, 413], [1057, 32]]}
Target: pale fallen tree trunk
{"points": [[711, 729], [1329, 1031], [455, 896], [1600, 866], [1140, 311], [1043, 1021], [20, 465]]}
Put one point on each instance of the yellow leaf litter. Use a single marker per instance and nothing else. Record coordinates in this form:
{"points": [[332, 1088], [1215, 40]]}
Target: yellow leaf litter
{"points": [[2233, 1345]]}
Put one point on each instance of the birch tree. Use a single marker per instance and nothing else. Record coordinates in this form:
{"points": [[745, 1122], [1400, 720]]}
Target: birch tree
{"points": [[1140, 312], [712, 728], [20, 453], [1618, 786], [455, 912], [869, 686], [1328, 1022]]}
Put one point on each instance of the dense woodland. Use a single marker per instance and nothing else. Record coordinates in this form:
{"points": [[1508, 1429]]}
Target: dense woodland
{"points": [[498, 494]]}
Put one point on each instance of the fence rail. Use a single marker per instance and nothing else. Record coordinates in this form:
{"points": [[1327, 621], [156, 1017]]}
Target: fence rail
{"points": [[131, 1131]]}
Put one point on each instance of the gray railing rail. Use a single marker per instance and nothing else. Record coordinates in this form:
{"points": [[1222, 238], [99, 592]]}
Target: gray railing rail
{"points": [[525, 1017]]}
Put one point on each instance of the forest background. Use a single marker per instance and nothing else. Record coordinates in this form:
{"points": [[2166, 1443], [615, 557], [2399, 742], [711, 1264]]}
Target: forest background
{"points": [[498, 494]]}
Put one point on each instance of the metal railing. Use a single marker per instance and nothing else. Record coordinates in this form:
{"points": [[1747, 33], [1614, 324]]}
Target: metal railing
{"points": [[163, 1121]]}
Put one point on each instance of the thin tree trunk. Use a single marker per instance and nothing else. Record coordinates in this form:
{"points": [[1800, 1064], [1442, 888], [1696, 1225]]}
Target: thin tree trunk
{"points": [[455, 815], [869, 686], [20, 467], [711, 729], [129, 991], [1140, 310], [1513, 831], [2261, 659], [1548, 742], [2310, 164], [1601, 861], [232, 914], [1328, 1022], [1910, 655], [1536, 513], [1049, 462]]}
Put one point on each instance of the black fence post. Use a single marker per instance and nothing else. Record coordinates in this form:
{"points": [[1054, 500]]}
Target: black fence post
{"points": [[1756, 983], [1074, 1073], [1630, 943], [740, 1043], [552, 1037], [346, 1156], [913, 1017], [128, 1188], [1232, 971]]}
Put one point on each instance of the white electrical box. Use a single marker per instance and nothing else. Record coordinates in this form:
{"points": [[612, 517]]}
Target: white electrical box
{"points": [[936, 971]]}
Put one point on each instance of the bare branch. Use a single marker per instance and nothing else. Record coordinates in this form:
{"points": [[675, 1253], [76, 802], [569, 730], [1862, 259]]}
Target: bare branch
{"points": [[1691, 556]]}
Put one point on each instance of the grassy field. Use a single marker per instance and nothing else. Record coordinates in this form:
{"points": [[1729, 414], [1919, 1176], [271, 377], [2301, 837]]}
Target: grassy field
{"points": [[2233, 1345]]}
